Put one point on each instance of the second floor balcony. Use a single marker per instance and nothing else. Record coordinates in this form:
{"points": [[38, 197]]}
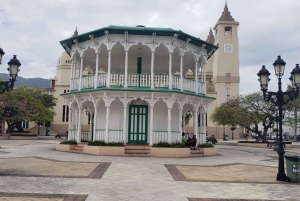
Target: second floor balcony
{"points": [[137, 81]]}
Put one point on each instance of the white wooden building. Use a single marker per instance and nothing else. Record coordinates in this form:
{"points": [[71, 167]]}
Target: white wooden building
{"points": [[136, 91]]}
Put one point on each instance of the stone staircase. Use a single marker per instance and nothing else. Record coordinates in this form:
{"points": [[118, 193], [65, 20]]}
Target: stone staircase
{"points": [[137, 150], [196, 153], [77, 148]]}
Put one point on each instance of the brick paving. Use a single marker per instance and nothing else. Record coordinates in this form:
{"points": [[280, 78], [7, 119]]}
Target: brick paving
{"points": [[137, 178]]}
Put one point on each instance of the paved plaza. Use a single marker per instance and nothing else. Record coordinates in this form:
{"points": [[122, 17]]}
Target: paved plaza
{"points": [[34, 171]]}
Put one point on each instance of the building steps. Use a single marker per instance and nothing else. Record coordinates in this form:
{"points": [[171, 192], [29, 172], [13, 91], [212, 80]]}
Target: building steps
{"points": [[196, 153], [137, 150], [77, 148]]}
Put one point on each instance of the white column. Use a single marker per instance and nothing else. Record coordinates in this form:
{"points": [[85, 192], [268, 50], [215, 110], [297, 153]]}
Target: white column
{"points": [[201, 124], [78, 138], [195, 122], [170, 70], [204, 67], [71, 76], [91, 126], [196, 76], [204, 123], [181, 73], [180, 120], [151, 124], [152, 69], [126, 70], [80, 73], [169, 124], [70, 121], [183, 117], [95, 121], [97, 70], [109, 68], [106, 123], [124, 122]]}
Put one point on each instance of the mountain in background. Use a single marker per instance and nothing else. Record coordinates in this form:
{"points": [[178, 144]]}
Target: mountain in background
{"points": [[30, 82]]}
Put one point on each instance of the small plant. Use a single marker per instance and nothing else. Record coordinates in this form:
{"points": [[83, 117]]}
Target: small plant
{"points": [[103, 143], [167, 144], [70, 142], [205, 145]]}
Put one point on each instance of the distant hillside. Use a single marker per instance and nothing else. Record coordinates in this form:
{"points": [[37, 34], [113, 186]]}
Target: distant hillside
{"points": [[30, 82]]}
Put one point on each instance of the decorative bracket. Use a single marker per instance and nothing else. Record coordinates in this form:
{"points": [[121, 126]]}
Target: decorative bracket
{"points": [[174, 39], [126, 38], [153, 38], [186, 43], [67, 48], [92, 38]]}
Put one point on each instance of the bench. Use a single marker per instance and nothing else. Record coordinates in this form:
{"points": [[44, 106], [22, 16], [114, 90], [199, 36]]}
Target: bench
{"points": [[60, 136]]}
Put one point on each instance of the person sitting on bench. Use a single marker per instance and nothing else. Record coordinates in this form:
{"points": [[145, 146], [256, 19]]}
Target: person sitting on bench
{"points": [[191, 143]]}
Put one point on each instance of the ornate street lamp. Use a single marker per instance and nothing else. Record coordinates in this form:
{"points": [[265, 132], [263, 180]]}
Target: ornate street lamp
{"points": [[279, 99], [1, 54], [13, 69]]}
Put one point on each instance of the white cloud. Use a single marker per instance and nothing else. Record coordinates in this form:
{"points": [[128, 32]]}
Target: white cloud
{"points": [[32, 29]]}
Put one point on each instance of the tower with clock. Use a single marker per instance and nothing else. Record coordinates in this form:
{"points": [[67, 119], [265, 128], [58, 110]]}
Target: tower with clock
{"points": [[223, 68]]}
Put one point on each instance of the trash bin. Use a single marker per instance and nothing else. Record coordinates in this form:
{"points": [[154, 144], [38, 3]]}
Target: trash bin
{"points": [[225, 138], [47, 132], [293, 168]]}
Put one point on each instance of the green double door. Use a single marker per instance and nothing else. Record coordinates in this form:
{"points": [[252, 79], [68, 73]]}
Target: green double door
{"points": [[138, 124]]}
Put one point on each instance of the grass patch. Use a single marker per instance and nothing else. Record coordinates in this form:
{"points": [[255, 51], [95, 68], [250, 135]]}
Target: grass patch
{"points": [[70, 142], [205, 145], [169, 145], [103, 143]]}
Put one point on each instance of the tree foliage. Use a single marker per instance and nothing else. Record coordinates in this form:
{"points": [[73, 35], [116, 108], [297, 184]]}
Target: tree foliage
{"points": [[26, 104], [293, 109], [245, 110]]}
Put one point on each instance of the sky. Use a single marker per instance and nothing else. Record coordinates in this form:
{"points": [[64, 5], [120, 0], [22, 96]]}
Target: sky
{"points": [[32, 29]]}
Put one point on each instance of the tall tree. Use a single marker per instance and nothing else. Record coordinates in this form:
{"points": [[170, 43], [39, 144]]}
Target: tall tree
{"points": [[21, 104], [293, 109], [246, 110]]}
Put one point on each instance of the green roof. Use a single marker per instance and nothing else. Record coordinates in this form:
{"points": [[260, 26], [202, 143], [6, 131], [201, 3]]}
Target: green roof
{"points": [[139, 30]]}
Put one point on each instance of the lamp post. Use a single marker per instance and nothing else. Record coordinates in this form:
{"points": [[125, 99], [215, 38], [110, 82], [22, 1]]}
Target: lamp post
{"points": [[13, 69], [279, 99], [232, 128]]}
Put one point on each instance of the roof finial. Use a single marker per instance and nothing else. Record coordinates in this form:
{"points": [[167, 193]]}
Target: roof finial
{"points": [[225, 2], [75, 32]]}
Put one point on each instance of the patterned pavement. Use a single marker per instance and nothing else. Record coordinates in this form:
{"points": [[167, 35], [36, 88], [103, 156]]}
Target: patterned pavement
{"points": [[35, 169]]}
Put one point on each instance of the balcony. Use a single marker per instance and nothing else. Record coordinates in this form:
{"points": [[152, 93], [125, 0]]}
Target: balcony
{"points": [[138, 81]]}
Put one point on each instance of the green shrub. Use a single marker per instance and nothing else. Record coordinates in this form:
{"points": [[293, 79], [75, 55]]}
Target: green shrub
{"points": [[103, 143], [170, 145], [205, 145], [70, 142]]}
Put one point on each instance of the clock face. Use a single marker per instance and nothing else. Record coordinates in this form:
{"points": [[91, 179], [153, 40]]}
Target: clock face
{"points": [[227, 47]]}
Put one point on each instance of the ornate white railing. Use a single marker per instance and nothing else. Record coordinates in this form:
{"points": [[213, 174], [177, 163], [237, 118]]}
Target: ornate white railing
{"points": [[188, 85], [138, 80], [87, 81], [101, 82], [201, 138], [201, 87], [160, 136], [175, 82], [72, 134], [99, 135], [117, 79], [74, 84], [115, 136], [161, 81], [86, 136], [176, 136]]}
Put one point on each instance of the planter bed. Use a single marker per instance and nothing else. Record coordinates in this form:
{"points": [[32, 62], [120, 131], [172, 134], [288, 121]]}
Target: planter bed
{"points": [[165, 152], [19, 136], [169, 152], [260, 144], [210, 151]]}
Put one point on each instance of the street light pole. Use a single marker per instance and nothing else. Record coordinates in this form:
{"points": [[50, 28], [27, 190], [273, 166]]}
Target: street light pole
{"points": [[13, 70], [279, 99]]}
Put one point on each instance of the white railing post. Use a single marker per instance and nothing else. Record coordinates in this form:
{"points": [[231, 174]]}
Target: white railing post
{"points": [[109, 68], [181, 73], [152, 69], [97, 70], [80, 73], [170, 70], [126, 68]]}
